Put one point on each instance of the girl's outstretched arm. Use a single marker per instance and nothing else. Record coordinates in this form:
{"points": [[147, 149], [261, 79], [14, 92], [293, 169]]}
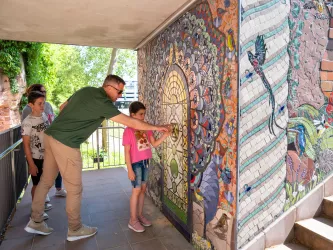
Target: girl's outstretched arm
{"points": [[156, 143]]}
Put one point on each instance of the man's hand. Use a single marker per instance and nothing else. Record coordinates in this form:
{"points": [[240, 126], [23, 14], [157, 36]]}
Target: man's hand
{"points": [[163, 128], [33, 170], [169, 132], [131, 175]]}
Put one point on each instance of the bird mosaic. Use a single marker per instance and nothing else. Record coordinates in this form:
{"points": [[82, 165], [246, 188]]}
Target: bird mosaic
{"points": [[257, 60]]}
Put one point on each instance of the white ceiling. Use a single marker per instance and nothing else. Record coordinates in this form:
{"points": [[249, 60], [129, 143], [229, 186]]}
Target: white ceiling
{"points": [[106, 23]]}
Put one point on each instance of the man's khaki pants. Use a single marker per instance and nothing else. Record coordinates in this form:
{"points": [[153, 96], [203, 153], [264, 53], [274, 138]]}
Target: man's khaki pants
{"points": [[67, 160]]}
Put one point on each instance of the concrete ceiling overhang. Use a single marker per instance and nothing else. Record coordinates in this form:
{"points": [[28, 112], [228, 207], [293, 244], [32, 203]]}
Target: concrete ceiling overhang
{"points": [[106, 23]]}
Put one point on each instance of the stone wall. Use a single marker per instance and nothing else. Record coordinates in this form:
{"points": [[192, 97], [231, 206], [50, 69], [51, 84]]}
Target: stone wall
{"points": [[9, 102]]}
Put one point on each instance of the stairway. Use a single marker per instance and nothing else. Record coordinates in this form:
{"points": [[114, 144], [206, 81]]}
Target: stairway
{"points": [[314, 233], [288, 247]]}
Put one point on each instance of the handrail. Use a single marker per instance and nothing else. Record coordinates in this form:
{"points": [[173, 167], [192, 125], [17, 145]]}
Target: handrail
{"points": [[7, 130], [11, 165], [10, 149]]}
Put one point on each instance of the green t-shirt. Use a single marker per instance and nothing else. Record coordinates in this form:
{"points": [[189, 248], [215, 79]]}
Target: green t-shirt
{"points": [[83, 114]]}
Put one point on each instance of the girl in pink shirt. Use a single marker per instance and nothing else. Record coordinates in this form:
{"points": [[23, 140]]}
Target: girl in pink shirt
{"points": [[137, 154]]}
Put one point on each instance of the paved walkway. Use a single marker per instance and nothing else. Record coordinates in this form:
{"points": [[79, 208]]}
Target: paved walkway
{"points": [[105, 204]]}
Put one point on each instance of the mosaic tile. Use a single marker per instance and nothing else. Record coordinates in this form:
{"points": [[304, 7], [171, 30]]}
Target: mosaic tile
{"points": [[187, 57], [275, 38]]}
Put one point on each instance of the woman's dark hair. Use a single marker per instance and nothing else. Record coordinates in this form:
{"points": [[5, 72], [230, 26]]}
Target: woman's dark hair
{"points": [[34, 87], [135, 107]]}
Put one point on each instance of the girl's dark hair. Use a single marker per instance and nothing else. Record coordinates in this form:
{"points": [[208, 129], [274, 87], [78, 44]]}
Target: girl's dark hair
{"points": [[34, 95], [135, 107], [34, 87]]}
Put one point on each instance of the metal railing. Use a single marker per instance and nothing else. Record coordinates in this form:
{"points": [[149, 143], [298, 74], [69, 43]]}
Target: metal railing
{"points": [[13, 172], [104, 149], [105, 142]]}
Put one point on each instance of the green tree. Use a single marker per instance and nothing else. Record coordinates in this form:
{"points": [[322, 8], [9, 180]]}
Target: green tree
{"points": [[95, 61], [39, 65], [63, 69], [126, 64], [69, 71]]}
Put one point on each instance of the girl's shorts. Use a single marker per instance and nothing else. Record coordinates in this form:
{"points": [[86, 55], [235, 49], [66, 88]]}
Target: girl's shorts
{"points": [[140, 169]]}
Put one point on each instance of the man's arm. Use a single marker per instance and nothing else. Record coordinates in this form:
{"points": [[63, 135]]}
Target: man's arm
{"points": [[136, 124], [62, 106]]}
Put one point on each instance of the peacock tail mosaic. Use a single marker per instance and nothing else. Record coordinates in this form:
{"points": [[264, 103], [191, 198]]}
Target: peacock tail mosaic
{"points": [[248, 91]]}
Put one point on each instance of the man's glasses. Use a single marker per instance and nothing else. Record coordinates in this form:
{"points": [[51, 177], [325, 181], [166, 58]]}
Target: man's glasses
{"points": [[119, 91]]}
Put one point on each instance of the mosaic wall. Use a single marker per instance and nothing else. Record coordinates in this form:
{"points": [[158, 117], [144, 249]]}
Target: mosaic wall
{"points": [[264, 65], [310, 155], [286, 105], [188, 78]]}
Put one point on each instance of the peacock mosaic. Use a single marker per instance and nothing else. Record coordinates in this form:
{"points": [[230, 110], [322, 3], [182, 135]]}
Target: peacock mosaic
{"points": [[188, 78], [276, 111]]}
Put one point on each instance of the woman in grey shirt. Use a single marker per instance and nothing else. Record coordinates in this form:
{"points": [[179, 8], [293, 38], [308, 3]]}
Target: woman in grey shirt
{"points": [[48, 110]]}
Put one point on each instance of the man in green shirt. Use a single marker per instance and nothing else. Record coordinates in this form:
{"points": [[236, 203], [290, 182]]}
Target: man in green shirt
{"points": [[80, 116]]}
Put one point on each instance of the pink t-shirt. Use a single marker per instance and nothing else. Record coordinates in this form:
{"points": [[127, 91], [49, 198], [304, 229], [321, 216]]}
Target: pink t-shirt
{"points": [[139, 142]]}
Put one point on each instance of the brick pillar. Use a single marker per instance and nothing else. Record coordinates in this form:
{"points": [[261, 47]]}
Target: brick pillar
{"points": [[326, 67], [9, 102]]}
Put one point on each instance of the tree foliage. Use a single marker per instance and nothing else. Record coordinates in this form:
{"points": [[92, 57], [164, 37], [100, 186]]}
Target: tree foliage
{"points": [[96, 62], [62, 69], [79, 66], [126, 64], [69, 73], [10, 59]]}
